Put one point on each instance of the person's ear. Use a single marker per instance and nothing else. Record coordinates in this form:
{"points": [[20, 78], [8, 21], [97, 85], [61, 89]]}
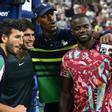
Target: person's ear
{"points": [[4, 38]]}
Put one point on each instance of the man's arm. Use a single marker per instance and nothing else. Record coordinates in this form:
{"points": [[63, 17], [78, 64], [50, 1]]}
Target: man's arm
{"points": [[104, 37], [66, 95], [5, 108]]}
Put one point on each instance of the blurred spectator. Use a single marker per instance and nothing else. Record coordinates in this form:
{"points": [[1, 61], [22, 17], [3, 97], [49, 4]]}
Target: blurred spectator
{"points": [[108, 24], [62, 23]]}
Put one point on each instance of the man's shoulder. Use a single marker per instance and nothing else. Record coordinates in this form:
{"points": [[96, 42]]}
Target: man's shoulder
{"points": [[70, 54], [65, 36], [2, 62], [59, 33], [64, 32], [2, 66], [2, 53]]}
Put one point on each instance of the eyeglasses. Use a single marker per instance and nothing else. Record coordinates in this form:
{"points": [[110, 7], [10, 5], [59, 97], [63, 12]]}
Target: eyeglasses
{"points": [[28, 34]]}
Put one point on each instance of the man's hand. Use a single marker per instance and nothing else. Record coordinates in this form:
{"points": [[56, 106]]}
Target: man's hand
{"points": [[106, 39], [96, 35], [19, 108]]}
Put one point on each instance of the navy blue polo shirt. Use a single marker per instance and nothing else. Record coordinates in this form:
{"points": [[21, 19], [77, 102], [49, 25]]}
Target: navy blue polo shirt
{"points": [[61, 39], [47, 57]]}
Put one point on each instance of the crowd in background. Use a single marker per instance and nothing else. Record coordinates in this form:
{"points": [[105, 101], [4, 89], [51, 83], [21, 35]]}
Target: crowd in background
{"points": [[100, 13], [48, 51]]}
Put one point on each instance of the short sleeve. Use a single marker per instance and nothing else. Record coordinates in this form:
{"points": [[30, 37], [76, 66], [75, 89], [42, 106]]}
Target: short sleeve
{"points": [[65, 72], [2, 66]]}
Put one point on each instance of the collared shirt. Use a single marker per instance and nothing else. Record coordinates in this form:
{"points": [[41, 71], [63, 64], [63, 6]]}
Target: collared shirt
{"points": [[61, 39], [47, 57]]}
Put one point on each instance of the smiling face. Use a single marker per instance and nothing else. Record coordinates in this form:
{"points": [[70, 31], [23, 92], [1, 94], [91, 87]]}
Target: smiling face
{"points": [[14, 42], [28, 38], [82, 29], [48, 21]]}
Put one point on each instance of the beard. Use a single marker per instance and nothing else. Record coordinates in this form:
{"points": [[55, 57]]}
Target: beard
{"points": [[10, 49]]}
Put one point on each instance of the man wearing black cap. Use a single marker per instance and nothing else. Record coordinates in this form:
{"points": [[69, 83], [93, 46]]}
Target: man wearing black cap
{"points": [[47, 56]]}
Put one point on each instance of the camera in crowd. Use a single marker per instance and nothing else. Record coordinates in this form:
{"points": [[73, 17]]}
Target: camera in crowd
{"points": [[106, 49]]}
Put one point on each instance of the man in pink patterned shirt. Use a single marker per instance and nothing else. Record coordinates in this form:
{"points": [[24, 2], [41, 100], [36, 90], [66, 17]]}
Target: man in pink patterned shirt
{"points": [[86, 71]]}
